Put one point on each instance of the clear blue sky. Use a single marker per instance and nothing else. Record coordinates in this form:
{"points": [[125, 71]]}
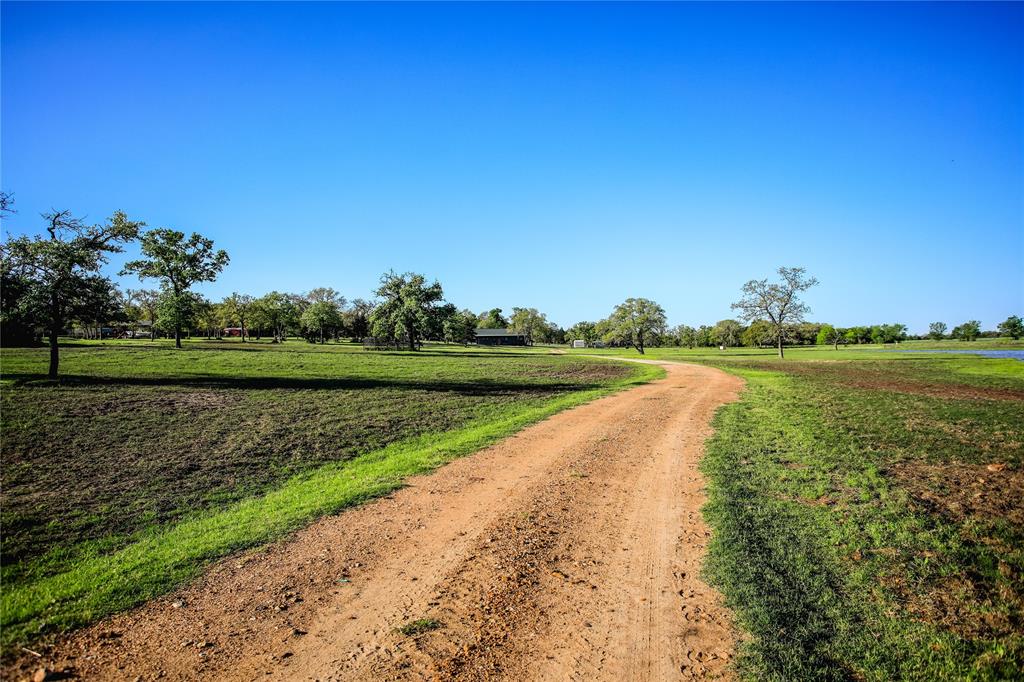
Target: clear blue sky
{"points": [[557, 156]]}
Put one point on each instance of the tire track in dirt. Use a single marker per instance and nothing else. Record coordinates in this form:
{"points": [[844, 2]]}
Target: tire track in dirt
{"points": [[568, 551]]}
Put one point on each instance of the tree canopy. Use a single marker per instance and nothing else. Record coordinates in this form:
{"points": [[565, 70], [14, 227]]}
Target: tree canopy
{"points": [[1012, 326], [635, 321], [177, 262], [57, 274], [407, 302]]}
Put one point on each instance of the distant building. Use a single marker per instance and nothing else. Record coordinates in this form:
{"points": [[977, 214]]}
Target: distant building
{"points": [[579, 343], [499, 337]]}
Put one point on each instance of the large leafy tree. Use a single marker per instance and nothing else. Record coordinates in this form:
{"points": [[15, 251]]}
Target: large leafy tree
{"points": [[684, 335], [460, 327], [177, 262], [635, 322], [439, 317], [582, 331], [492, 319], [727, 333], [531, 323], [1012, 326], [100, 303], [280, 312], [240, 307], [205, 314], [968, 331], [407, 303], [830, 335], [937, 331], [778, 302], [758, 334], [319, 317], [321, 314], [62, 266], [357, 319]]}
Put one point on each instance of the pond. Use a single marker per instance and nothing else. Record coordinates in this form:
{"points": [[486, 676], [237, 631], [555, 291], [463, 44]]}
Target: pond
{"points": [[1012, 354]]}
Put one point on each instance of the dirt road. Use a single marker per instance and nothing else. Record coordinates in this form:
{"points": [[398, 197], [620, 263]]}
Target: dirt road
{"points": [[568, 552]]}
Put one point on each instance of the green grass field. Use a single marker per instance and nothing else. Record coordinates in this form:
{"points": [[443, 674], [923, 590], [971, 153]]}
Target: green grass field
{"points": [[866, 505], [146, 463], [868, 512]]}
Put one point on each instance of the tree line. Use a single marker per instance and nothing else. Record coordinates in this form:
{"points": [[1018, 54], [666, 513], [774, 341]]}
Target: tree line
{"points": [[53, 281]]}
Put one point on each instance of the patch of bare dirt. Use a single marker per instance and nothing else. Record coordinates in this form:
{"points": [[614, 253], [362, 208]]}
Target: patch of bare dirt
{"points": [[858, 376], [971, 605], [568, 551], [959, 491]]}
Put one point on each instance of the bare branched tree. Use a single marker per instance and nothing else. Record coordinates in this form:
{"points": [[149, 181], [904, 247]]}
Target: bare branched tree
{"points": [[777, 302]]}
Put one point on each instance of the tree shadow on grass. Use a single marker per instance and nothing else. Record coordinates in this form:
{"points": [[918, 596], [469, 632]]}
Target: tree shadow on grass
{"points": [[314, 349], [476, 388]]}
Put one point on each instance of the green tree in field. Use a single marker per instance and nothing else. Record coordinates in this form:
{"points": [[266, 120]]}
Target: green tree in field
{"points": [[259, 317], [829, 335], [357, 319], [531, 323], [778, 302], [279, 314], [146, 302], [805, 333], [1012, 326], [635, 322], [60, 268], [21, 306], [759, 334], [239, 307], [877, 334], [727, 333], [100, 304], [326, 295], [968, 331], [176, 312], [321, 316], [685, 335], [937, 331], [705, 336], [406, 304], [437, 319], [825, 336], [460, 327], [858, 335], [583, 331], [206, 315], [177, 262], [492, 319]]}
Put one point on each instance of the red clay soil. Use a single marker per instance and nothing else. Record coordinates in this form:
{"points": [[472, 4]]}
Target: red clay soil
{"points": [[568, 551]]}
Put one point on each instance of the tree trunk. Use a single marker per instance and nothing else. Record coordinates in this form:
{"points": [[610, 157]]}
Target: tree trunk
{"points": [[54, 331], [177, 336], [54, 351], [781, 354]]}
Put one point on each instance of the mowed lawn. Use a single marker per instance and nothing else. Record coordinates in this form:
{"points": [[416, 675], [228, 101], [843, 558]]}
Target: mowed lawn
{"points": [[868, 513], [147, 462]]}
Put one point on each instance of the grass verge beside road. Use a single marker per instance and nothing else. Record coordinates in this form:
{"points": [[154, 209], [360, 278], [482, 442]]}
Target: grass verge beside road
{"points": [[867, 514], [67, 586]]}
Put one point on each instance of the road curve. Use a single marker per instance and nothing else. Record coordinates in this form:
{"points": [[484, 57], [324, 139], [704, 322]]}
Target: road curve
{"points": [[570, 551]]}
